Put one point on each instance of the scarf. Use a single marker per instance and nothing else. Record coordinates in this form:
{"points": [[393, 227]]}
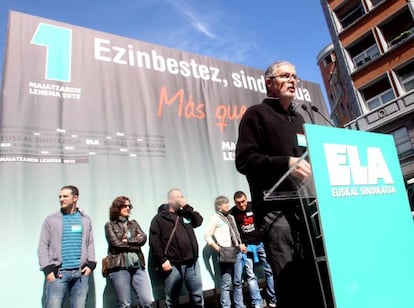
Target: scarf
{"points": [[234, 233]]}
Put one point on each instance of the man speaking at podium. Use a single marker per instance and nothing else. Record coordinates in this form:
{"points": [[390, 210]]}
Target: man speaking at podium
{"points": [[269, 143]]}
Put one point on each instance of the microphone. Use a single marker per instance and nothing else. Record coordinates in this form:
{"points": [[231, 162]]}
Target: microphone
{"points": [[316, 109], [304, 107]]}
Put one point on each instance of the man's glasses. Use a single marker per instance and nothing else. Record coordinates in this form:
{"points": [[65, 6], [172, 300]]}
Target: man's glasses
{"points": [[287, 76]]}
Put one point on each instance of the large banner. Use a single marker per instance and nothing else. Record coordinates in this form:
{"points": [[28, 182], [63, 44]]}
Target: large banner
{"points": [[113, 116]]}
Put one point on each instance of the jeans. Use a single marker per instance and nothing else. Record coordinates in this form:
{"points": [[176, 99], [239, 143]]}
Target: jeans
{"points": [[252, 279], [190, 274], [123, 280], [227, 282], [237, 282], [72, 281], [254, 290]]}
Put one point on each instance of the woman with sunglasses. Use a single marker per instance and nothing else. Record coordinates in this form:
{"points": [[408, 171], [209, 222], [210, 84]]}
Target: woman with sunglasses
{"points": [[126, 262]]}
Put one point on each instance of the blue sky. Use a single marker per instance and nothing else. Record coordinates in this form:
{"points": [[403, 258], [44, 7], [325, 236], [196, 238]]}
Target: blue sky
{"points": [[236, 31]]}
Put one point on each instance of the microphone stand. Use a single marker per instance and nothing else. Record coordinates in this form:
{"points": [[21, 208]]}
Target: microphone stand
{"points": [[316, 109], [304, 107]]}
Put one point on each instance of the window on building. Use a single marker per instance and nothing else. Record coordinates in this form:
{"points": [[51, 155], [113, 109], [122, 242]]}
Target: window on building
{"points": [[363, 50], [335, 118], [331, 97], [398, 27], [402, 141], [350, 12], [351, 112], [343, 110], [366, 56], [328, 60], [378, 93], [335, 86], [380, 99], [376, 2], [349, 108], [406, 76]]}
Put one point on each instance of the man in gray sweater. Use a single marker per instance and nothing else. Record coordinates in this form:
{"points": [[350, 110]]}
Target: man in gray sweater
{"points": [[66, 252]]}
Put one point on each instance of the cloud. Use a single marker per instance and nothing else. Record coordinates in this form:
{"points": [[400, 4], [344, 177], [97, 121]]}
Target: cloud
{"points": [[200, 28], [194, 18], [204, 29]]}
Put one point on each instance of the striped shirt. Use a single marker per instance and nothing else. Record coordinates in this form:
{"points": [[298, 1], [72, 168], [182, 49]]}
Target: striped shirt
{"points": [[71, 241]]}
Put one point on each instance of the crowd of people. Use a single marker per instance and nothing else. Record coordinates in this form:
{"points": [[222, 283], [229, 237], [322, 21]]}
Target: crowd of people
{"points": [[67, 257], [249, 233]]}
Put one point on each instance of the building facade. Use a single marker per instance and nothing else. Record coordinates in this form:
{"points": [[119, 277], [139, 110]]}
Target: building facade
{"points": [[368, 71]]}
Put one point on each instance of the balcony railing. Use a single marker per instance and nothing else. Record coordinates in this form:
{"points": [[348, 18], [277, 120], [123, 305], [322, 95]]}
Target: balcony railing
{"points": [[401, 37], [352, 16], [383, 114], [366, 56]]}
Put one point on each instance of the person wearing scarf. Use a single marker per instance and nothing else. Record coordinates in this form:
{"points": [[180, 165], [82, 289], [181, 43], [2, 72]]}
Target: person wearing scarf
{"points": [[222, 232]]}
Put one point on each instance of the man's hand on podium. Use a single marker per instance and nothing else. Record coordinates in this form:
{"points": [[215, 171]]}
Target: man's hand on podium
{"points": [[301, 168]]}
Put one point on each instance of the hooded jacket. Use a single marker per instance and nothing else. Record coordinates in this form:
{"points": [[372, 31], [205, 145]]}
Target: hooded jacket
{"points": [[183, 247]]}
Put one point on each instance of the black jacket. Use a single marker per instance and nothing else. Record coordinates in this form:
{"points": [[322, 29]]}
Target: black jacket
{"points": [[117, 249], [267, 137], [183, 247]]}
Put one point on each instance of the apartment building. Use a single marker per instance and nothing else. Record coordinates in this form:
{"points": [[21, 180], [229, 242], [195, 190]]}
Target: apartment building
{"points": [[368, 71]]}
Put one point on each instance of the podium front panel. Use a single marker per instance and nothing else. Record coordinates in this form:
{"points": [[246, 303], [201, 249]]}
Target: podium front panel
{"points": [[365, 218]]}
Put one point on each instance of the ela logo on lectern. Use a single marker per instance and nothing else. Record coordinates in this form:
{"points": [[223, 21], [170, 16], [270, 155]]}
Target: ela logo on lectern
{"points": [[345, 168], [350, 178]]}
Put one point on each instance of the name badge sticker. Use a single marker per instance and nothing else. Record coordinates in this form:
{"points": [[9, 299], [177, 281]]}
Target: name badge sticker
{"points": [[76, 228], [301, 140]]}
